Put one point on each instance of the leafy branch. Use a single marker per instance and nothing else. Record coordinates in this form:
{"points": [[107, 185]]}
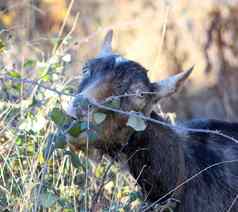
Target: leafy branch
{"points": [[137, 115], [132, 115]]}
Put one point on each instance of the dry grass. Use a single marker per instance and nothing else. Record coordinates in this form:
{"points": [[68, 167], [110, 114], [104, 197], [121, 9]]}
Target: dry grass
{"points": [[165, 38]]}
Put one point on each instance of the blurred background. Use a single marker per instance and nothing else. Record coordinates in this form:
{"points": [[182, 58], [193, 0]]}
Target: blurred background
{"points": [[164, 36], [49, 40]]}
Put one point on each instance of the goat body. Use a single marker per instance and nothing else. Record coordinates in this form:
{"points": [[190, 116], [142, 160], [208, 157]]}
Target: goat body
{"points": [[212, 160], [160, 157]]}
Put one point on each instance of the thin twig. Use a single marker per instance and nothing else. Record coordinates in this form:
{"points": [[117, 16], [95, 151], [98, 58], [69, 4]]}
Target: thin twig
{"points": [[71, 31], [233, 203], [41, 184], [34, 82], [94, 201], [64, 23], [86, 167], [216, 132], [147, 119], [138, 115], [188, 180]]}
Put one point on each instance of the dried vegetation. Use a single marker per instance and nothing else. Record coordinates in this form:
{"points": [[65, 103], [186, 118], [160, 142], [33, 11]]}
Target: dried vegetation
{"points": [[48, 40]]}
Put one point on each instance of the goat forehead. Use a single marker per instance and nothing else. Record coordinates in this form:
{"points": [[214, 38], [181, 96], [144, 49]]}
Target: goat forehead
{"points": [[106, 60], [116, 66], [117, 57], [111, 76]]}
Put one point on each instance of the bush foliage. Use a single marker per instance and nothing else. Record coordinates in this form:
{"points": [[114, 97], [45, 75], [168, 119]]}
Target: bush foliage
{"points": [[43, 44], [38, 167]]}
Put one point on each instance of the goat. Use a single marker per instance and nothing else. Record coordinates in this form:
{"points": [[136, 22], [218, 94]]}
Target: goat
{"points": [[161, 157]]}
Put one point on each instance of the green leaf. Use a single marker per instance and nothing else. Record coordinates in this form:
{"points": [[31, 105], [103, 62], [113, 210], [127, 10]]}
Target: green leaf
{"points": [[67, 58], [35, 102], [75, 160], [19, 140], [54, 141], [134, 195], [99, 117], [114, 103], [136, 123], [14, 74], [64, 203], [60, 141], [29, 63], [46, 77], [59, 117], [100, 169], [77, 128], [92, 135], [17, 86], [49, 148], [80, 102], [56, 41], [48, 199], [2, 46], [30, 148]]}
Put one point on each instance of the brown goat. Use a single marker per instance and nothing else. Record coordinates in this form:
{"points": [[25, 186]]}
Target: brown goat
{"points": [[160, 157]]}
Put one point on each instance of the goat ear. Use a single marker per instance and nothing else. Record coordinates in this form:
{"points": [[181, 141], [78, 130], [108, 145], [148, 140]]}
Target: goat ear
{"points": [[106, 48], [171, 85]]}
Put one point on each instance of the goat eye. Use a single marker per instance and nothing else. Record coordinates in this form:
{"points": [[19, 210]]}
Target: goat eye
{"points": [[85, 70], [140, 95]]}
